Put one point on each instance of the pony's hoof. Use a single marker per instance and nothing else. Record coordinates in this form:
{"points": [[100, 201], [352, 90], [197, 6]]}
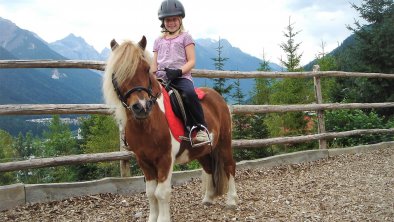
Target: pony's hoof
{"points": [[207, 203], [231, 207]]}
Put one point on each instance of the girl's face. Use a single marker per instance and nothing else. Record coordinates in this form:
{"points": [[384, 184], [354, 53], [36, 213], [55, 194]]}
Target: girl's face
{"points": [[172, 23]]}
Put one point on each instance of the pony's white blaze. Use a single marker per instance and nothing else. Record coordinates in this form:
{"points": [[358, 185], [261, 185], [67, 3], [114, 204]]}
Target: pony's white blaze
{"points": [[142, 102]]}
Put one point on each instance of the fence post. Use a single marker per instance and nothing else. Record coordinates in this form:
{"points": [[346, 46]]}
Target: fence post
{"points": [[124, 164], [320, 113]]}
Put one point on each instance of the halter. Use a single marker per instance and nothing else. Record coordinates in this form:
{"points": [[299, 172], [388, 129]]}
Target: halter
{"points": [[123, 98]]}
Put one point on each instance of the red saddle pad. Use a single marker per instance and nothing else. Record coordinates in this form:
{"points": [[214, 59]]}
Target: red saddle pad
{"points": [[175, 124]]}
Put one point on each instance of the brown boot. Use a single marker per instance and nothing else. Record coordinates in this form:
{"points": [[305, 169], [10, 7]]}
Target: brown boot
{"points": [[201, 137]]}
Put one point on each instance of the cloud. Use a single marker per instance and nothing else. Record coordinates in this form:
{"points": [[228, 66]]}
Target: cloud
{"points": [[321, 5], [253, 26]]}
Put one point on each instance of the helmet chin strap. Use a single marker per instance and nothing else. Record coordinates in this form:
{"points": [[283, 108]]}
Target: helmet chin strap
{"points": [[170, 32]]}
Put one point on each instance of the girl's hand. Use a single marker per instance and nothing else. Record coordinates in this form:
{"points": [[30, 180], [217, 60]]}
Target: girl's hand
{"points": [[173, 73]]}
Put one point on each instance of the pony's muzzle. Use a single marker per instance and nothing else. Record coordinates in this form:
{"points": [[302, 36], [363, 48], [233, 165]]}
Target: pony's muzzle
{"points": [[141, 110]]}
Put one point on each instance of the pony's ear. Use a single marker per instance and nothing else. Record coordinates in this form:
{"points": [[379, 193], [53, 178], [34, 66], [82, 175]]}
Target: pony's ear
{"points": [[142, 43], [114, 44]]}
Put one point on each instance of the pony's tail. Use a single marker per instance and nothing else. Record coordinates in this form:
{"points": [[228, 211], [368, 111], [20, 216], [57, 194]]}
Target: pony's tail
{"points": [[220, 178]]}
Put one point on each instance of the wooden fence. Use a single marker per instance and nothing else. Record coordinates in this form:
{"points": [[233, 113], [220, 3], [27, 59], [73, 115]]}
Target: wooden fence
{"points": [[124, 156]]}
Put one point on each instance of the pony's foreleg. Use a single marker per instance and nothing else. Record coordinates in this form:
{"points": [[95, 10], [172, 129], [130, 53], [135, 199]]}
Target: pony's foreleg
{"points": [[208, 188], [163, 195], [232, 197], [163, 191], [151, 186]]}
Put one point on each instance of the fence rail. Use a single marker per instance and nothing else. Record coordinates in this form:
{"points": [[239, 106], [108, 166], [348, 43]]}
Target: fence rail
{"points": [[33, 109], [126, 155], [99, 65], [123, 156], [65, 160]]}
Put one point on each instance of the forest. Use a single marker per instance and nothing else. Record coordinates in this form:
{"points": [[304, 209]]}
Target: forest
{"points": [[371, 51]]}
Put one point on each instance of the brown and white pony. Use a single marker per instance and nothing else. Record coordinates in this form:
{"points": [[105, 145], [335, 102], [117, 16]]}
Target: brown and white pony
{"points": [[137, 97]]}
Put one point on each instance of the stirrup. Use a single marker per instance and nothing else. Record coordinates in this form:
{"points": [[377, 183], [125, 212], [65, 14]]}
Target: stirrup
{"points": [[202, 143]]}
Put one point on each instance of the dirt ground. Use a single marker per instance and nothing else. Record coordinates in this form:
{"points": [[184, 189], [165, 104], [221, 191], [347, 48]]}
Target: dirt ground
{"points": [[356, 187]]}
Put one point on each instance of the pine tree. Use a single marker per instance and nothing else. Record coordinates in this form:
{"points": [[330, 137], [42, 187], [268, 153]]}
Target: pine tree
{"points": [[375, 42], [238, 95], [220, 83], [260, 96], [262, 85], [290, 48], [372, 51], [326, 63], [252, 126], [290, 91], [240, 122]]}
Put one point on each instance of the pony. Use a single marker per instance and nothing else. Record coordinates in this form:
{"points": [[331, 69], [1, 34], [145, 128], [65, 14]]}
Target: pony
{"points": [[138, 102]]}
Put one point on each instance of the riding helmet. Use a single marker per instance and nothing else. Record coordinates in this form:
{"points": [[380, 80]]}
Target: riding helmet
{"points": [[171, 8]]}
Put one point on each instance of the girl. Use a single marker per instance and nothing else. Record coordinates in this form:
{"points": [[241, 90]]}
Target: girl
{"points": [[173, 60]]}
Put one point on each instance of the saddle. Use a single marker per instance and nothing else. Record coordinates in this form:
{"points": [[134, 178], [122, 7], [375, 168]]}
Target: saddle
{"points": [[177, 105], [177, 114]]}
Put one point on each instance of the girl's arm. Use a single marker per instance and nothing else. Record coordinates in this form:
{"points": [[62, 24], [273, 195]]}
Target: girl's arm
{"points": [[190, 57]]}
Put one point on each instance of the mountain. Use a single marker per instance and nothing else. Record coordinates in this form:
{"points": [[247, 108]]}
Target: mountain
{"points": [[77, 48], [84, 86], [24, 44], [105, 53], [41, 86], [345, 45], [73, 47], [206, 49]]}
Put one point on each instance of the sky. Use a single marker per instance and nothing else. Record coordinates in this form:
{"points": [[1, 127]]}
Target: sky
{"points": [[257, 27]]}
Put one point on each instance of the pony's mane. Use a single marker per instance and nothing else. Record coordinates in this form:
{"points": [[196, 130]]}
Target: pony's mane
{"points": [[123, 63]]}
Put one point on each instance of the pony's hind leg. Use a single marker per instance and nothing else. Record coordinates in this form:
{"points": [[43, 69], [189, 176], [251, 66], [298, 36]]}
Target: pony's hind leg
{"points": [[153, 204], [207, 188], [229, 168], [232, 197]]}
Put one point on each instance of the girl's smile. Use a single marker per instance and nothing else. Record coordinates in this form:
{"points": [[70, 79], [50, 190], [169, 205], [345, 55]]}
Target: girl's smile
{"points": [[172, 23]]}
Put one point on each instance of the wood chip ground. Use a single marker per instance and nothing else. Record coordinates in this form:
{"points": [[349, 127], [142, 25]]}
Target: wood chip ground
{"points": [[358, 187]]}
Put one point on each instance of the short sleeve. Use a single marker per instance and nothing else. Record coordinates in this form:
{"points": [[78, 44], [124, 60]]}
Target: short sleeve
{"points": [[156, 45], [187, 40]]}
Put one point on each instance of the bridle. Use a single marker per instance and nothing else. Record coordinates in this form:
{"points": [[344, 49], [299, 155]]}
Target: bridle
{"points": [[123, 98]]}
